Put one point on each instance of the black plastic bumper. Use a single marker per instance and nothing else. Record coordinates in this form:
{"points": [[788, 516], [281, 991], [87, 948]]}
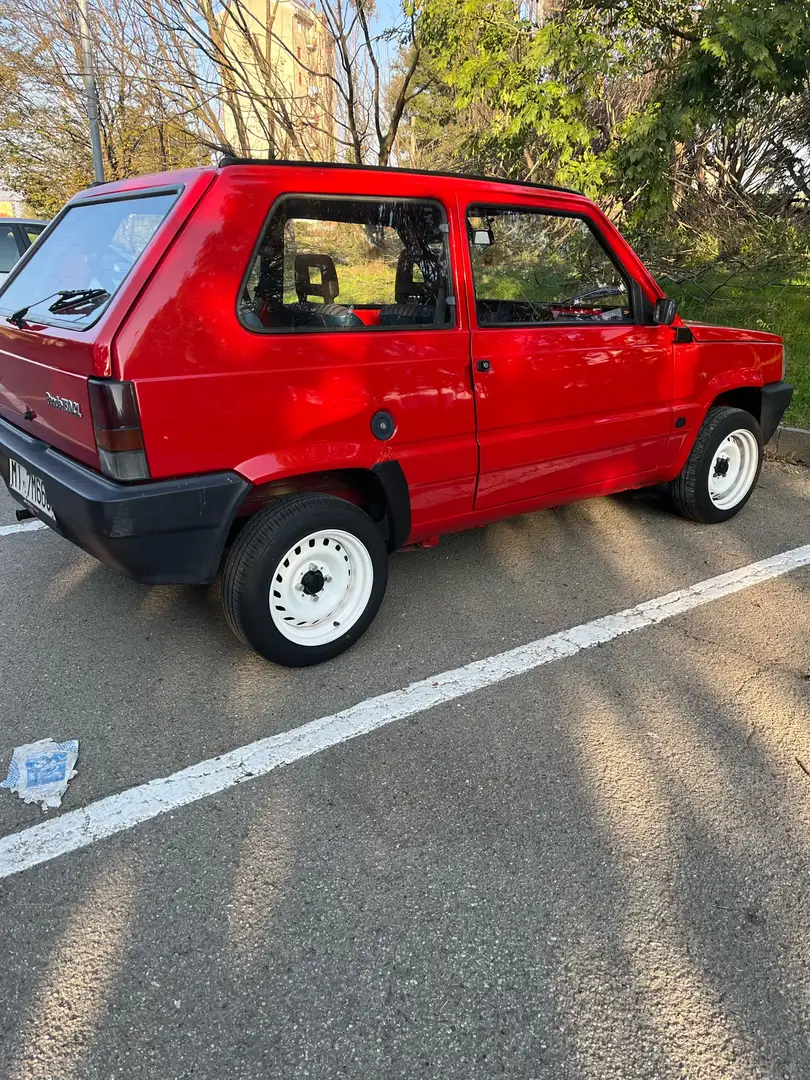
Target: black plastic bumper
{"points": [[776, 397], [162, 532]]}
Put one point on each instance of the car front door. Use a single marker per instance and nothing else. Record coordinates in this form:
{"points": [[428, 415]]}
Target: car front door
{"points": [[573, 383]]}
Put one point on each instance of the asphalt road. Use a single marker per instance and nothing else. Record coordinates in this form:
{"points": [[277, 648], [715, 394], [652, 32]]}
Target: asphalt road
{"points": [[596, 870]]}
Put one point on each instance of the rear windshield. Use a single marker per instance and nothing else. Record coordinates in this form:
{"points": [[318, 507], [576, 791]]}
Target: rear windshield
{"points": [[74, 272]]}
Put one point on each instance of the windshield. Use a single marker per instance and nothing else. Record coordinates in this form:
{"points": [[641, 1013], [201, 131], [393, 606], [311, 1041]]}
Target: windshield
{"points": [[93, 247]]}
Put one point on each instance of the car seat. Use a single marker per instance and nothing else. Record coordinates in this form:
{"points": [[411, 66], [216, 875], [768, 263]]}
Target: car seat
{"points": [[328, 313], [415, 300]]}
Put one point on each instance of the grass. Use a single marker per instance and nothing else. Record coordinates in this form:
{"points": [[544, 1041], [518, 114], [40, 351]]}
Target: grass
{"points": [[780, 309]]}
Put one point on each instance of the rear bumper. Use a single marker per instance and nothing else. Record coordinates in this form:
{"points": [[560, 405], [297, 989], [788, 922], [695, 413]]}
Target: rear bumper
{"points": [[162, 532], [776, 397]]}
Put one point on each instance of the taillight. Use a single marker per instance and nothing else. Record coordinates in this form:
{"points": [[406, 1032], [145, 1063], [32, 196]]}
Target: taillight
{"points": [[117, 428]]}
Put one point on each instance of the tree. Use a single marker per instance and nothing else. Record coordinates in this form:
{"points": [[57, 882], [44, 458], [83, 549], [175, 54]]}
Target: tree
{"points": [[182, 80], [727, 62], [44, 150], [262, 96], [523, 84], [642, 102]]}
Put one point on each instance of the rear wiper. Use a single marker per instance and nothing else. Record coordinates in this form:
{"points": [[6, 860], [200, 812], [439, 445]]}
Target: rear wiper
{"points": [[68, 298]]}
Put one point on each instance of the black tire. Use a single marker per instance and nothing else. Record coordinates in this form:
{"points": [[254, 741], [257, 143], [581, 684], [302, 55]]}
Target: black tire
{"points": [[251, 565], [689, 491]]}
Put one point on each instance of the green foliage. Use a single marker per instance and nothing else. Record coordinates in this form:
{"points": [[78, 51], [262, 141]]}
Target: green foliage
{"points": [[720, 60], [755, 303], [610, 95], [518, 94]]}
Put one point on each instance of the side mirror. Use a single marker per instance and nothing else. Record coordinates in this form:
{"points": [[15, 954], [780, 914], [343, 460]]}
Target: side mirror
{"points": [[664, 311], [483, 238]]}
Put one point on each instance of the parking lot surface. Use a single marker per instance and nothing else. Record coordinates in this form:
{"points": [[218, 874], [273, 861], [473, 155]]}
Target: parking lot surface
{"points": [[597, 869]]}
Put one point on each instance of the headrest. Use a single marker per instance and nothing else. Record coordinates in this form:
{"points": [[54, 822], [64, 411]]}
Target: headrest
{"points": [[405, 288], [327, 288]]}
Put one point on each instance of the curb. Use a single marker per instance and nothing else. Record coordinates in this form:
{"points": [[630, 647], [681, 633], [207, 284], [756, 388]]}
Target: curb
{"points": [[790, 444]]}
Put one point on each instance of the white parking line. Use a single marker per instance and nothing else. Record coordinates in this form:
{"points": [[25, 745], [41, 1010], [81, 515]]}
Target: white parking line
{"points": [[23, 526], [116, 813]]}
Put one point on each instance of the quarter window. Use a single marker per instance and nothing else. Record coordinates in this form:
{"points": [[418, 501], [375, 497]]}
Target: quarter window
{"points": [[8, 248], [535, 267], [349, 264]]}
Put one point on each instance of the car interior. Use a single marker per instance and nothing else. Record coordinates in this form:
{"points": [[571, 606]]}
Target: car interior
{"points": [[417, 296], [524, 275]]}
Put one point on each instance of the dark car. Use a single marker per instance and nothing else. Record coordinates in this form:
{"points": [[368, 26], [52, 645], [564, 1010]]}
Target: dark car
{"points": [[16, 237]]}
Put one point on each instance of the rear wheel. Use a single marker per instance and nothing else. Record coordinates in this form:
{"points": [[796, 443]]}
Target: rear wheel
{"points": [[722, 469], [304, 579]]}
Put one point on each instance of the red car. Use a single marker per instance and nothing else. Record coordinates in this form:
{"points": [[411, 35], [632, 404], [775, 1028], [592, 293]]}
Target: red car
{"points": [[288, 371]]}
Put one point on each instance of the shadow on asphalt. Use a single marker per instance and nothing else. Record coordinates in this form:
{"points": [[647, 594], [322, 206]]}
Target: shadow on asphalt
{"points": [[606, 881]]}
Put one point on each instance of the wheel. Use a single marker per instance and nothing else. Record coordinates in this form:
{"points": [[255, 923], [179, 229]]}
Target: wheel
{"points": [[304, 579], [722, 469]]}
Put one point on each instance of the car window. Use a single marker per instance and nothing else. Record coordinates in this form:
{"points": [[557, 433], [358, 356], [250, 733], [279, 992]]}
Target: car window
{"points": [[8, 248], [533, 266], [349, 264], [89, 252], [33, 231]]}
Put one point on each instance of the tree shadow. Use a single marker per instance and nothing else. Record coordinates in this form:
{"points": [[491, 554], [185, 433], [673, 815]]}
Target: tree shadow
{"points": [[596, 870]]}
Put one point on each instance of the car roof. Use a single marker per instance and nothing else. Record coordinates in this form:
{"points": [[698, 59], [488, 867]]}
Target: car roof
{"points": [[474, 183], [23, 221], [229, 162]]}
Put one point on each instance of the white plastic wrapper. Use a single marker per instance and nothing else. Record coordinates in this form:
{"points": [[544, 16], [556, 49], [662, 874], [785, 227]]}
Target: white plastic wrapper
{"points": [[39, 772]]}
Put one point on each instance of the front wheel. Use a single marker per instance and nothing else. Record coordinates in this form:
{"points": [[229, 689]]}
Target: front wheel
{"points": [[304, 579], [723, 468]]}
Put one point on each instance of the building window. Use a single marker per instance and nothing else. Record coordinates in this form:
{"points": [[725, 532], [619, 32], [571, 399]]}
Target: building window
{"points": [[350, 264]]}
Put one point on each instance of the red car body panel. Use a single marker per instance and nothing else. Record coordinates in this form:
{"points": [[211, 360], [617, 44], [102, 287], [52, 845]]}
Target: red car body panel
{"points": [[563, 412], [58, 359]]}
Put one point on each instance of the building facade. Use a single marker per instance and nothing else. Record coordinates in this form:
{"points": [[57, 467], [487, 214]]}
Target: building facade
{"points": [[279, 99]]}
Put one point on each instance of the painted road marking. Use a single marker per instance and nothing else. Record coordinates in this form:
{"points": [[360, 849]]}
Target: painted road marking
{"points": [[116, 813], [23, 526]]}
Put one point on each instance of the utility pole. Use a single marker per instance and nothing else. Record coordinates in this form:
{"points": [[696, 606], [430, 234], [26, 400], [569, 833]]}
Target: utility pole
{"points": [[90, 92]]}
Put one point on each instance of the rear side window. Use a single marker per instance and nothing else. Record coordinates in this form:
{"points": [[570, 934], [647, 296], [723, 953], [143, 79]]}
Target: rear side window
{"points": [[8, 248], [32, 232], [538, 267], [89, 253], [349, 264]]}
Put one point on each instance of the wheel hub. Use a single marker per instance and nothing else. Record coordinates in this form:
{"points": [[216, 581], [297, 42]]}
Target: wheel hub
{"points": [[313, 581], [721, 466]]}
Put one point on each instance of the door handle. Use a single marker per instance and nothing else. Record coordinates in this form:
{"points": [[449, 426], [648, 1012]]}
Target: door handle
{"points": [[483, 365]]}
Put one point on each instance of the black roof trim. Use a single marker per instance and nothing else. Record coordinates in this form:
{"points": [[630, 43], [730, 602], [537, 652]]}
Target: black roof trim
{"points": [[225, 162]]}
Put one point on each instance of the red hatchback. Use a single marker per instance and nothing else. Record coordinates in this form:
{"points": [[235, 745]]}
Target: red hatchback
{"points": [[289, 371]]}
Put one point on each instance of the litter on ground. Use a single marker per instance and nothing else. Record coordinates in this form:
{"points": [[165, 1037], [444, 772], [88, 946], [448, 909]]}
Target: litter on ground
{"points": [[39, 772]]}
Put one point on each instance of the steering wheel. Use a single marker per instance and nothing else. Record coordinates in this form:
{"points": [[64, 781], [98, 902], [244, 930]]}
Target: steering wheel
{"points": [[592, 294]]}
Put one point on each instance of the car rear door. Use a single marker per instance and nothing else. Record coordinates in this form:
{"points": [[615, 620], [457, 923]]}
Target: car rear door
{"points": [[573, 383]]}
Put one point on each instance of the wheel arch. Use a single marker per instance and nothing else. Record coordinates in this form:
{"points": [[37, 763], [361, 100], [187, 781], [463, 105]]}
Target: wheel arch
{"points": [[747, 398], [382, 491]]}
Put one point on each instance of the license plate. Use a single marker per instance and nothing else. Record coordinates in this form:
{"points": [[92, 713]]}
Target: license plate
{"points": [[30, 487]]}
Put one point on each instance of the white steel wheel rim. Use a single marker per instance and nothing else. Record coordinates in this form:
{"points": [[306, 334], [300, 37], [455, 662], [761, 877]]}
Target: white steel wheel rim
{"points": [[321, 587], [733, 469]]}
